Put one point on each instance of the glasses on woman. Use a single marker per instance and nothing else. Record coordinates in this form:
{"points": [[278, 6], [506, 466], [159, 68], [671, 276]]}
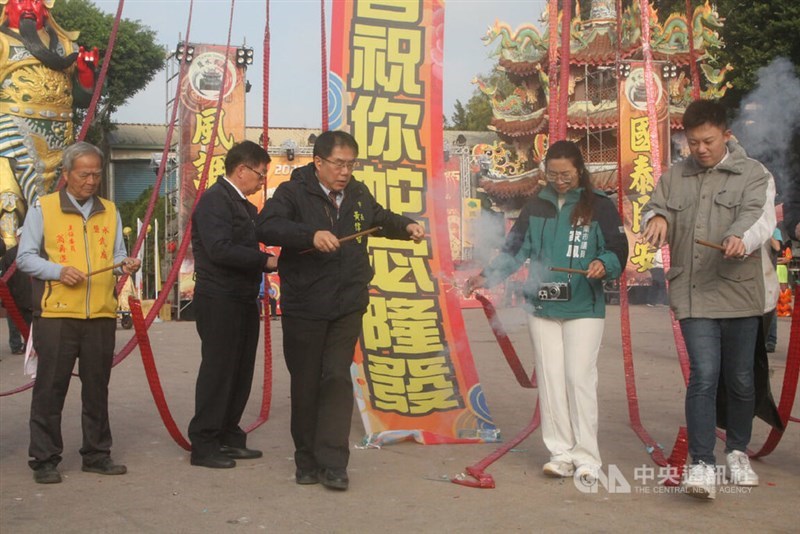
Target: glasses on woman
{"points": [[563, 177]]}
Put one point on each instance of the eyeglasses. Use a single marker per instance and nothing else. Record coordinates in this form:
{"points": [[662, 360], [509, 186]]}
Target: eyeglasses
{"points": [[342, 164], [563, 177], [261, 175]]}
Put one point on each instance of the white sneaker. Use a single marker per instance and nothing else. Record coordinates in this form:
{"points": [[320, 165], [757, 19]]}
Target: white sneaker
{"points": [[700, 481], [558, 469], [739, 470], [587, 474]]}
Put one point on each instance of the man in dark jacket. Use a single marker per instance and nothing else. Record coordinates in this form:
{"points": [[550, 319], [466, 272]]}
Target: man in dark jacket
{"points": [[228, 270], [324, 293], [19, 285]]}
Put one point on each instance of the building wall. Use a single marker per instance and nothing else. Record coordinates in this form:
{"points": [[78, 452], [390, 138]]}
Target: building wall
{"points": [[131, 177]]}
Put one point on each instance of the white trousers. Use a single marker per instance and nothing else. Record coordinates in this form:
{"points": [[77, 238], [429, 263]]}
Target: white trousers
{"points": [[565, 352]]}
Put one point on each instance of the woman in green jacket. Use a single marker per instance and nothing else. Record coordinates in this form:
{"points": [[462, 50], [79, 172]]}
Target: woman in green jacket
{"points": [[567, 225]]}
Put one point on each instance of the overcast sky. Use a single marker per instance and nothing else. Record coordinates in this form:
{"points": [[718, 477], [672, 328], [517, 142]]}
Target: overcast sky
{"points": [[295, 43]]}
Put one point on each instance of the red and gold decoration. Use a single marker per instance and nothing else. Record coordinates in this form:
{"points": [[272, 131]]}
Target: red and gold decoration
{"points": [[206, 76], [413, 369], [638, 171]]}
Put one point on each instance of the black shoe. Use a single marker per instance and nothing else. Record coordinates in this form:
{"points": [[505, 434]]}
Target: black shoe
{"points": [[334, 478], [214, 461], [306, 476], [47, 474], [239, 453], [106, 466], [18, 351]]}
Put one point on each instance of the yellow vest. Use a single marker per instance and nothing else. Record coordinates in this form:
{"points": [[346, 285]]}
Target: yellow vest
{"points": [[87, 246]]}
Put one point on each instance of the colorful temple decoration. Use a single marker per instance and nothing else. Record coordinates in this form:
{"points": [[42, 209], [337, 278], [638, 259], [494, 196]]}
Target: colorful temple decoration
{"points": [[521, 118]]}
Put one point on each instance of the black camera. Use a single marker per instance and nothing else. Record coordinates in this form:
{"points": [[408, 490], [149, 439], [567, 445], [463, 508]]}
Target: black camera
{"points": [[554, 291]]}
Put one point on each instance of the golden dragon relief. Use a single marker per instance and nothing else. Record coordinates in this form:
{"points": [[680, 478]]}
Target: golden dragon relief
{"points": [[37, 86]]}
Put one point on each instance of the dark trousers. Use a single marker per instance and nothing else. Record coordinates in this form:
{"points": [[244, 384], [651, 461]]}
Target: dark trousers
{"points": [[657, 293], [771, 329], [229, 337], [15, 340], [318, 355], [58, 342]]}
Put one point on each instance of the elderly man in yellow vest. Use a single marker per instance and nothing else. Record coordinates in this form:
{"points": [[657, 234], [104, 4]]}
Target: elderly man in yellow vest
{"points": [[72, 246]]}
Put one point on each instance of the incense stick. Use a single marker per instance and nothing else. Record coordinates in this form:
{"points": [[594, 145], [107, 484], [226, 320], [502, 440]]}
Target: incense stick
{"points": [[348, 238], [569, 270], [98, 271]]}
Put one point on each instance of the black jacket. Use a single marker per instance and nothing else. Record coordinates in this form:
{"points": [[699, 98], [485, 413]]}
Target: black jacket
{"points": [[227, 260], [316, 285], [19, 285]]}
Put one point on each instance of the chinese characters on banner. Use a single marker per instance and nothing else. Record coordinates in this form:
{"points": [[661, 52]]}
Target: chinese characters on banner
{"points": [[636, 165], [198, 102], [413, 370]]}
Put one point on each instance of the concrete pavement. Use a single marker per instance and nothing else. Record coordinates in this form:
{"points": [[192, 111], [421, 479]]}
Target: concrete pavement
{"points": [[401, 487]]}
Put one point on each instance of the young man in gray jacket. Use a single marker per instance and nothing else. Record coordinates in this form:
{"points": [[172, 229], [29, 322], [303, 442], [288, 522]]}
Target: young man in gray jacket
{"points": [[718, 195]]}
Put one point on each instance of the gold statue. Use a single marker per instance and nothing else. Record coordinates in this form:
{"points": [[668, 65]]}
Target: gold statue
{"points": [[42, 75]]}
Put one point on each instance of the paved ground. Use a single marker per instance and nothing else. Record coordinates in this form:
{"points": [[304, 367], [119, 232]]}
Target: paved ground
{"points": [[402, 487]]}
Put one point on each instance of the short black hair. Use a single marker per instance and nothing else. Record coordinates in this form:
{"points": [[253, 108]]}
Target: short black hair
{"points": [[702, 112], [245, 153], [329, 140]]}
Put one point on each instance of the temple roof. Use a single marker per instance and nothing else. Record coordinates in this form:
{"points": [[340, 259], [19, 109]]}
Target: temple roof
{"points": [[530, 183], [523, 69], [600, 50], [580, 114], [525, 185]]}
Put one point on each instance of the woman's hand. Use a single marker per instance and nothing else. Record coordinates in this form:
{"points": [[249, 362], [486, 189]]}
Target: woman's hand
{"points": [[596, 270]]}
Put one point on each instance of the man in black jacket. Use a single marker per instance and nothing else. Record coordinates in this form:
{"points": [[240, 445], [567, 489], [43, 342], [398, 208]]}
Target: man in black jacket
{"points": [[324, 294], [19, 285], [228, 271]]}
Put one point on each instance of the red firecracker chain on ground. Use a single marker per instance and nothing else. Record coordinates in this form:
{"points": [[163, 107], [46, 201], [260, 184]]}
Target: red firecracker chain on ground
{"points": [[479, 478], [152, 373], [140, 326]]}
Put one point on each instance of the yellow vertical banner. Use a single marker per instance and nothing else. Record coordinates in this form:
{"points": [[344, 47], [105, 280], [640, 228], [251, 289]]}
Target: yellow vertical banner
{"points": [[636, 165], [413, 370], [205, 77]]}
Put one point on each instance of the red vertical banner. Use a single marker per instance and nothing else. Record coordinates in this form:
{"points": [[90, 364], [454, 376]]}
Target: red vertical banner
{"points": [[637, 170], [413, 371], [198, 103]]}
